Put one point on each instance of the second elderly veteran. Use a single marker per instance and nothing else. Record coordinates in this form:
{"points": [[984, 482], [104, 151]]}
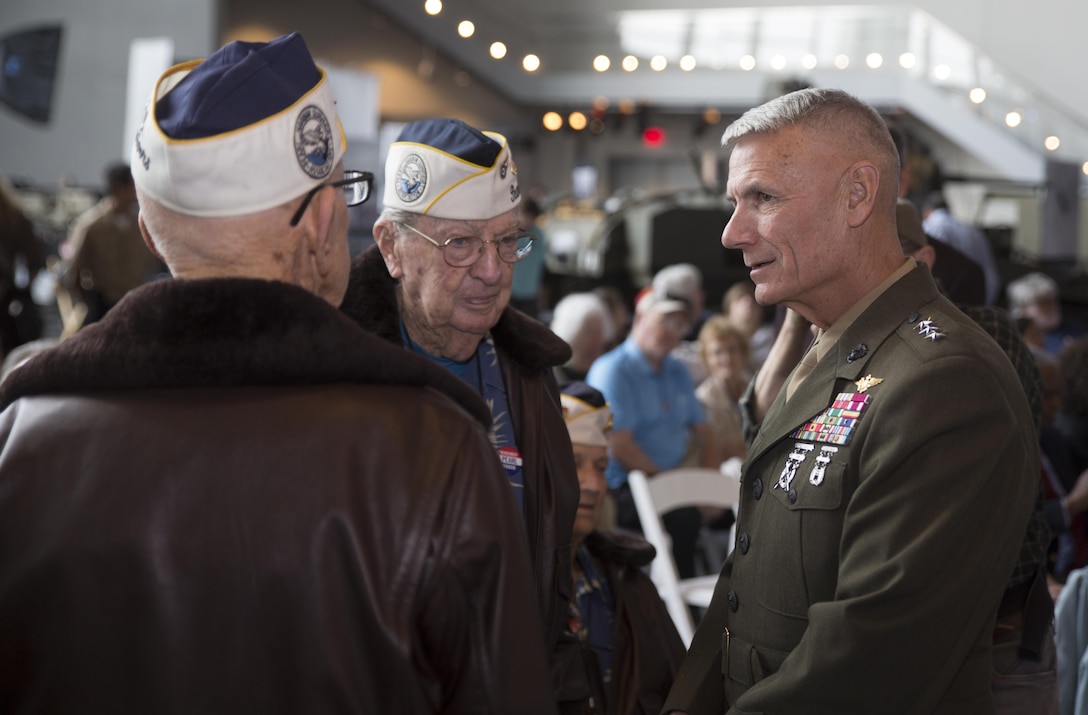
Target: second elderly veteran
{"points": [[438, 283], [883, 500]]}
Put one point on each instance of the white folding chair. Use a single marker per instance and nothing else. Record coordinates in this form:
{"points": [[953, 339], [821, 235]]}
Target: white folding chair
{"points": [[662, 493]]}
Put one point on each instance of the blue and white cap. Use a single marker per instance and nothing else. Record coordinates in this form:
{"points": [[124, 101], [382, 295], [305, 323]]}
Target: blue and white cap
{"points": [[588, 416], [251, 127], [446, 169]]}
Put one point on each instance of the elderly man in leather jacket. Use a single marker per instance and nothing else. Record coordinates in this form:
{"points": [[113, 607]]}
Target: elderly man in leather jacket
{"points": [[215, 500], [438, 284]]}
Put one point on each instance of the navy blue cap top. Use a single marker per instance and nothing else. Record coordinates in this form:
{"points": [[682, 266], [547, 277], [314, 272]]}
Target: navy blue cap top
{"points": [[238, 85], [453, 136], [584, 392]]}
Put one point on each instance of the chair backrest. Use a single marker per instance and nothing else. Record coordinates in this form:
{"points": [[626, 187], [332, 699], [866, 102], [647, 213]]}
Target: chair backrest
{"points": [[662, 493]]}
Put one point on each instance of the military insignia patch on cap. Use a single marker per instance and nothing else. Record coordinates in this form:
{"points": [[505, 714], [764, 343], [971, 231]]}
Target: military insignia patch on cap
{"points": [[411, 179], [313, 142]]}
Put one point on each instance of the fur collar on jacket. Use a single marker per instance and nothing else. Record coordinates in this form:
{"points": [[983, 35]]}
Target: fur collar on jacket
{"points": [[225, 332], [620, 547], [371, 300]]}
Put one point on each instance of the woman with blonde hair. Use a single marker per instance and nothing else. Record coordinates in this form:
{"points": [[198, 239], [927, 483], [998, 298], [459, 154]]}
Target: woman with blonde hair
{"points": [[723, 348]]}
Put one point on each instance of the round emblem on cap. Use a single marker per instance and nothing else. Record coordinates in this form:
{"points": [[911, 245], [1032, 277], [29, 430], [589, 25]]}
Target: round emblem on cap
{"points": [[313, 142], [411, 179]]}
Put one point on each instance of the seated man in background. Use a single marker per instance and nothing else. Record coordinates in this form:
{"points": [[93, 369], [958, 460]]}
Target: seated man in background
{"points": [[659, 423], [584, 322], [633, 647], [1036, 297], [685, 281], [214, 499]]}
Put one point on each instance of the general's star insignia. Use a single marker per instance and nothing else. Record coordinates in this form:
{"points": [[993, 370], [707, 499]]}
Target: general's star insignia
{"points": [[929, 330], [868, 381]]}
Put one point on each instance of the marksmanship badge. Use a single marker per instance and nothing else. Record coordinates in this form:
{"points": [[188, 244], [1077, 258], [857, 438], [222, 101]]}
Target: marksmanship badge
{"points": [[823, 459], [793, 462]]}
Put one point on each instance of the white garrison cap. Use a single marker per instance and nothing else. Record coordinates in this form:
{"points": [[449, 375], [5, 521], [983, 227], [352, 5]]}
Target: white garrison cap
{"points": [[251, 127], [446, 169]]}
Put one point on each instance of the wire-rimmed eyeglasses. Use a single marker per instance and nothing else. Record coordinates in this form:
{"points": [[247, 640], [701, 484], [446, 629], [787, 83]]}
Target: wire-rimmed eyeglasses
{"points": [[461, 251], [356, 185]]}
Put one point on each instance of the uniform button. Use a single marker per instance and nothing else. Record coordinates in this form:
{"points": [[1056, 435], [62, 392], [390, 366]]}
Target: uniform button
{"points": [[733, 601], [743, 542], [791, 495], [757, 488]]}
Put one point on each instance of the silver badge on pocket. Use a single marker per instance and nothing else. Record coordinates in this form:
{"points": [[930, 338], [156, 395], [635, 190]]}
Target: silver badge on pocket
{"points": [[793, 463], [823, 460]]}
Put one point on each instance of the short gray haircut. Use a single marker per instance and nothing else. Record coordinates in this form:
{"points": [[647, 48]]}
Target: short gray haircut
{"points": [[572, 311], [827, 110], [1027, 289]]}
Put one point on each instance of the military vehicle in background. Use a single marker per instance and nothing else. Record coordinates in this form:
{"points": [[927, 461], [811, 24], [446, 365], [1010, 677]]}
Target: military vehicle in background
{"points": [[623, 240]]}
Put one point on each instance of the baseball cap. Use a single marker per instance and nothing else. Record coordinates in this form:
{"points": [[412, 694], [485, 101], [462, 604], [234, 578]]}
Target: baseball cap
{"points": [[683, 280], [446, 169], [656, 301], [250, 127]]}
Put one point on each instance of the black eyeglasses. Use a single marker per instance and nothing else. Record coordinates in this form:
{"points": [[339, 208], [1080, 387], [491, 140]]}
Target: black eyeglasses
{"points": [[356, 190], [463, 251]]}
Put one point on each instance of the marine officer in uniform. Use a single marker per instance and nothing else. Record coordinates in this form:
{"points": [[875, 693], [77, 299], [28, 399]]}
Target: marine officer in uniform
{"points": [[883, 499]]}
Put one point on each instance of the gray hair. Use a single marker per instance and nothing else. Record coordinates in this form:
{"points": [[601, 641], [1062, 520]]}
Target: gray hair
{"points": [[572, 311], [398, 216], [827, 110], [1025, 290]]}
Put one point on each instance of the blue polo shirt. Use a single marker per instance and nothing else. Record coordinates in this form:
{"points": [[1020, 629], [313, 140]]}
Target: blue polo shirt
{"points": [[659, 408]]}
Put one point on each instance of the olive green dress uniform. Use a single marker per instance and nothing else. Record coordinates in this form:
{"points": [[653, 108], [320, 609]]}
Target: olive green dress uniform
{"points": [[874, 538]]}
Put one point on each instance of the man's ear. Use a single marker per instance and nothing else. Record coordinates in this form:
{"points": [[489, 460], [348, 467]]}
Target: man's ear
{"points": [[385, 235], [147, 238], [316, 222], [864, 182]]}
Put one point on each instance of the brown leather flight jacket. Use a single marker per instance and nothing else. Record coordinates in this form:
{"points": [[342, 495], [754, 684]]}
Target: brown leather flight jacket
{"points": [[226, 497]]}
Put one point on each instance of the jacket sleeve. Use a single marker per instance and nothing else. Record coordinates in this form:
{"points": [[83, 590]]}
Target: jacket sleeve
{"points": [[477, 618], [929, 539]]}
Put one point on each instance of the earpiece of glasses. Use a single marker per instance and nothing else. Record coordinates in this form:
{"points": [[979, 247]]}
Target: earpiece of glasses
{"points": [[462, 251], [356, 186]]}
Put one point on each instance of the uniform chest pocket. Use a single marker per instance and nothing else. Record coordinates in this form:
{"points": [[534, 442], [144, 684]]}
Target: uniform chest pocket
{"points": [[814, 505]]}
